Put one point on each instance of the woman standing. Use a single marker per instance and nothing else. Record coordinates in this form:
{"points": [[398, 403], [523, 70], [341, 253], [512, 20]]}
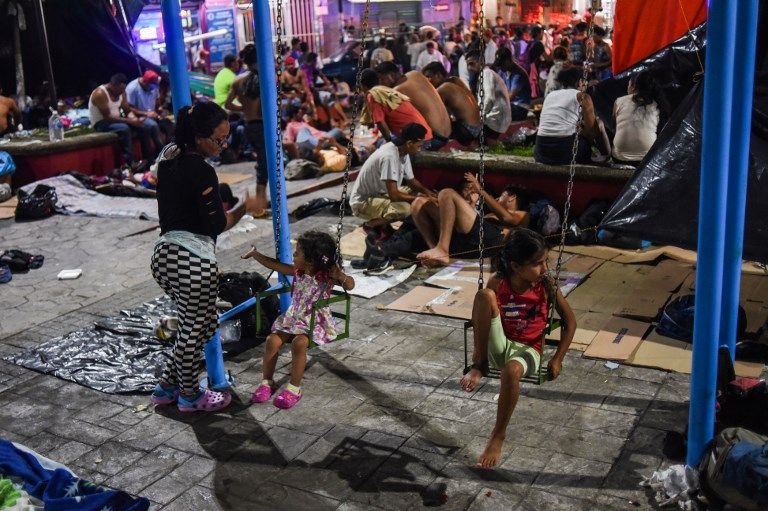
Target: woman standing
{"points": [[184, 262]]}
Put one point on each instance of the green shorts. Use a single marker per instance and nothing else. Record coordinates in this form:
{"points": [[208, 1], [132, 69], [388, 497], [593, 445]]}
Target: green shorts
{"points": [[501, 350]]}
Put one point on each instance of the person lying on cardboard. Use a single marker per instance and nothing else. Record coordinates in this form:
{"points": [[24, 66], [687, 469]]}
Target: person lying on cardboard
{"points": [[452, 227]]}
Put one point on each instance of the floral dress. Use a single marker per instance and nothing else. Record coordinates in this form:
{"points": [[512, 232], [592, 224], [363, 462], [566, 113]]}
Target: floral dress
{"points": [[307, 290]]}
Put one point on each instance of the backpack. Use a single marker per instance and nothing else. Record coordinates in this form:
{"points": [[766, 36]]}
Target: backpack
{"points": [[300, 169], [734, 470], [7, 166], [41, 203], [236, 288], [677, 319], [545, 218], [582, 231]]}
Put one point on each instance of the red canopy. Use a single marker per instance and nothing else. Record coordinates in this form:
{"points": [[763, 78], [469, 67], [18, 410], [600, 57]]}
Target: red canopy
{"points": [[641, 28]]}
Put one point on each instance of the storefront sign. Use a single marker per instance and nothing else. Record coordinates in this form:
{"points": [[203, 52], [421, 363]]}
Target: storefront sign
{"points": [[220, 46]]}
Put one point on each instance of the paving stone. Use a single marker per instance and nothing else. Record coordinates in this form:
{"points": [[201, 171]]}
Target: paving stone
{"points": [[68, 452], [184, 476], [397, 422], [536, 500], [149, 468], [586, 444], [197, 498], [491, 499], [603, 421], [109, 458], [82, 431], [572, 476], [150, 433], [43, 442]]}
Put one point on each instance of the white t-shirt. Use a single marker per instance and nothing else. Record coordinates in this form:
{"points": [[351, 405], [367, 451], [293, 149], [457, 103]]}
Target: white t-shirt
{"points": [[385, 164], [635, 129], [559, 114], [498, 112]]}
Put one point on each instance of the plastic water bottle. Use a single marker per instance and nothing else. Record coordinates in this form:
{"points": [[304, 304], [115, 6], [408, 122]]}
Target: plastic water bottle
{"points": [[55, 127]]}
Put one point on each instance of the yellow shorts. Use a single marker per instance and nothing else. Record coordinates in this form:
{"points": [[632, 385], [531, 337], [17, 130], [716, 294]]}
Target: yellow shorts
{"points": [[381, 207], [502, 350]]}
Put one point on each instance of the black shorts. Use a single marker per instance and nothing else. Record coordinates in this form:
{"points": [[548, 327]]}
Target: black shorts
{"points": [[465, 245], [559, 150], [254, 132]]}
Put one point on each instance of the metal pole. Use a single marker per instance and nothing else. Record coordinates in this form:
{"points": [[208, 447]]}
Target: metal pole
{"points": [[741, 120], [44, 43], [718, 96], [177, 58], [265, 56]]}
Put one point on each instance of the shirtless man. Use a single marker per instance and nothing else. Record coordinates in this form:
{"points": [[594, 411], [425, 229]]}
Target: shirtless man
{"points": [[293, 83], [245, 89], [423, 96], [453, 225], [459, 101], [10, 115], [104, 107]]}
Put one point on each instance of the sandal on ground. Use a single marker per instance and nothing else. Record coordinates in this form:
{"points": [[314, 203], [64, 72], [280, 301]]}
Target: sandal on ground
{"points": [[5, 274], [261, 213], [262, 393], [206, 401], [286, 399], [164, 396]]}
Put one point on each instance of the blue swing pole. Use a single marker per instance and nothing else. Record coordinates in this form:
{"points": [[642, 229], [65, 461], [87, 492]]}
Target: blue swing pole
{"points": [[265, 56], [715, 148], [177, 58], [741, 120]]}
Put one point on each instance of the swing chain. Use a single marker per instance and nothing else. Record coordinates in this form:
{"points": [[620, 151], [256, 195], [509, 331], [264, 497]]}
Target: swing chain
{"points": [[276, 203], [356, 100], [481, 141], [574, 152]]}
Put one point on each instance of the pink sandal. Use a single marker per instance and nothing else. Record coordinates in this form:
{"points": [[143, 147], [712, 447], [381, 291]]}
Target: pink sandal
{"points": [[262, 393], [206, 401], [286, 399]]}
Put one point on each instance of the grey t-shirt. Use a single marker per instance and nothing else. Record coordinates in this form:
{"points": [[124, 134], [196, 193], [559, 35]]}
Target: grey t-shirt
{"points": [[385, 164]]}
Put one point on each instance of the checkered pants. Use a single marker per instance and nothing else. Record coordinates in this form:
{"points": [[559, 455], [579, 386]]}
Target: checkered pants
{"points": [[192, 283]]}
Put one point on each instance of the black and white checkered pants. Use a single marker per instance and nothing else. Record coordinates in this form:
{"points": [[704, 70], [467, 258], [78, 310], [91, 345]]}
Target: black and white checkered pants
{"points": [[192, 283]]}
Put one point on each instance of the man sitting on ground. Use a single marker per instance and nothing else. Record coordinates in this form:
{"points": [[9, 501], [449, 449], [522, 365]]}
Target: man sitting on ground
{"points": [[104, 107], [423, 96], [302, 137], [452, 226], [459, 101], [377, 196], [388, 109]]}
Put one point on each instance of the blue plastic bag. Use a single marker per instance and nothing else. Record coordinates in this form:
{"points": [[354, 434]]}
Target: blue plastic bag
{"points": [[6, 164]]}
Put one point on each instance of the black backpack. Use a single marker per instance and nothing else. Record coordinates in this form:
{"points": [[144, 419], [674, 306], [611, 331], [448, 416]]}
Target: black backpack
{"points": [[584, 230], [41, 203], [236, 288]]}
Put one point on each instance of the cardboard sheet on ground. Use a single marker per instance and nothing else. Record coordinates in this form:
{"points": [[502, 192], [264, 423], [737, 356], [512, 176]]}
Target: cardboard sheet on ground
{"points": [[370, 286], [231, 178], [617, 340], [8, 208], [353, 244], [588, 324], [660, 352]]}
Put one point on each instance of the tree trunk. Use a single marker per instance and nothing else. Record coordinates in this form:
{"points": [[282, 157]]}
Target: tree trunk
{"points": [[20, 91]]}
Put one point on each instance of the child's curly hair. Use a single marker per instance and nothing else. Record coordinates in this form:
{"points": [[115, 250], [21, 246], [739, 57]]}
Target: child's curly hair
{"points": [[319, 250]]}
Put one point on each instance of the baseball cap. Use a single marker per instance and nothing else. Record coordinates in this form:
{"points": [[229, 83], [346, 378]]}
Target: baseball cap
{"points": [[290, 61], [150, 76]]}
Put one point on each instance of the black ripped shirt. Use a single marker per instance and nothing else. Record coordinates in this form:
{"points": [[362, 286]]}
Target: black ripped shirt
{"points": [[188, 197]]}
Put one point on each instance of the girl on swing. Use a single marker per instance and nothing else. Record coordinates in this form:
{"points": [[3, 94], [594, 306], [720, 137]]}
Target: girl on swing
{"points": [[509, 317], [315, 271]]}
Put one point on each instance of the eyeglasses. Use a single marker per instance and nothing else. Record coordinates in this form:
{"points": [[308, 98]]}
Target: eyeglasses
{"points": [[221, 143]]}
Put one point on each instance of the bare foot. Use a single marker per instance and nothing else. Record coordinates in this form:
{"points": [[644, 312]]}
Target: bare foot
{"points": [[491, 454], [434, 257], [470, 380]]}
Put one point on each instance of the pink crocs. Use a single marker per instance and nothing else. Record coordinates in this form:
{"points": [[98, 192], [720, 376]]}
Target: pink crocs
{"points": [[206, 401], [286, 399], [262, 393]]}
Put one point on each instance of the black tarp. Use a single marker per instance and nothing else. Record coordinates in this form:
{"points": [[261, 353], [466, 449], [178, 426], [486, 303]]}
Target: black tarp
{"points": [[661, 201]]}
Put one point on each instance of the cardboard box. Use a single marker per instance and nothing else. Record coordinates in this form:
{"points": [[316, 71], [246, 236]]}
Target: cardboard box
{"points": [[643, 303], [617, 340]]}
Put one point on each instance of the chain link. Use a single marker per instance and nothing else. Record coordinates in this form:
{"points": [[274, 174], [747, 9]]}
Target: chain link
{"points": [[481, 140], [277, 200], [356, 100]]}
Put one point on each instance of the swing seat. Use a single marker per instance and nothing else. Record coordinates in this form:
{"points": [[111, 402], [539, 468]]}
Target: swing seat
{"points": [[535, 379], [338, 296]]}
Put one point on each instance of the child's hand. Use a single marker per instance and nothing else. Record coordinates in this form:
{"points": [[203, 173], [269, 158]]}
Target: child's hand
{"points": [[554, 367], [337, 274], [473, 182], [251, 254]]}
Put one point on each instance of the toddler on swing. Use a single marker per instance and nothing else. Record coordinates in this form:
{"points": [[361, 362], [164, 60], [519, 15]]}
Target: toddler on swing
{"points": [[509, 317], [315, 271]]}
